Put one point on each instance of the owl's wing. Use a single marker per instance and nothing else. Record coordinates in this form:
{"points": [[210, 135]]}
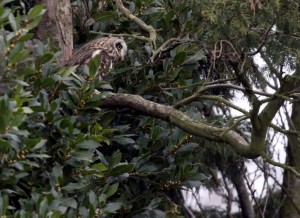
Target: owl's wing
{"points": [[83, 56]]}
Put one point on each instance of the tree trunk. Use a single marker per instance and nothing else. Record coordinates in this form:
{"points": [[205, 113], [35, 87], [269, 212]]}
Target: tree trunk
{"points": [[291, 184], [57, 27]]}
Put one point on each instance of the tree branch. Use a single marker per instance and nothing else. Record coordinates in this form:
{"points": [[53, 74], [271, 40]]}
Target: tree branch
{"points": [[138, 21], [143, 38], [281, 165], [263, 41], [167, 46], [179, 119]]}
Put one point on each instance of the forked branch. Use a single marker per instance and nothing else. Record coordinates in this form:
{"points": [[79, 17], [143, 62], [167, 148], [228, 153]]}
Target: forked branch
{"points": [[138, 21]]}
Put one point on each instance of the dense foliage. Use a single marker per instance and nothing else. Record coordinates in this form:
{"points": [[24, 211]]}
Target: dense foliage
{"points": [[62, 154]]}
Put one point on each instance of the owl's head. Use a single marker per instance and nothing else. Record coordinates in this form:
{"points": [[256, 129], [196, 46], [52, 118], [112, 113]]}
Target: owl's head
{"points": [[120, 47]]}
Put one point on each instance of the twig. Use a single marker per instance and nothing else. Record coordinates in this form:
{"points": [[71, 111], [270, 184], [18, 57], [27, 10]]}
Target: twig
{"points": [[252, 192], [283, 131], [224, 101], [143, 38], [229, 197], [263, 41], [169, 45], [285, 190], [235, 124], [196, 84], [278, 164], [152, 32], [205, 88]]}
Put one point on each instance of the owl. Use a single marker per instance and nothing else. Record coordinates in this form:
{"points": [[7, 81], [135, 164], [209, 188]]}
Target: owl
{"points": [[111, 50]]}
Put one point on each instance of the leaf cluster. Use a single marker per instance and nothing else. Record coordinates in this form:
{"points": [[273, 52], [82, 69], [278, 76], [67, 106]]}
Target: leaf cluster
{"points": [[62, 155]]}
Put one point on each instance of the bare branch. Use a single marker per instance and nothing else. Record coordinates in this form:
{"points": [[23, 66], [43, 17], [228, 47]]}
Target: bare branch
{"points": [[283, 131], [198, 96], [143, 38], [224, 101], [169, 45], [195, 84], [235, 124], [252, 193], [278, 164]]}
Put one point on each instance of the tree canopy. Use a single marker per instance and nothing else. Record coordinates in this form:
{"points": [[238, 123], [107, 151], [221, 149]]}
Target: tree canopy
{"points": [[161, 121]]}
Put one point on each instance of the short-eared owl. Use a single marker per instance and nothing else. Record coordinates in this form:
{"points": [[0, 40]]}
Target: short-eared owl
{"points": [[111, 50]]}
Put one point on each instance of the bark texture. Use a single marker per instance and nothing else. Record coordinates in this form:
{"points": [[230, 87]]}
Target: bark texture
{"points": [[180, 120], [291, 183], [241, 188], [57, 27]]}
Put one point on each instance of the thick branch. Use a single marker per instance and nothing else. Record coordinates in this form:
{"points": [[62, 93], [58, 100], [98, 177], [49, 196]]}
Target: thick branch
{"points": [[179, 119]]}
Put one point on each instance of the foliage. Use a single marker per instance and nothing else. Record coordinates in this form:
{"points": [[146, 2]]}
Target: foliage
{"points": [[63, 155]]}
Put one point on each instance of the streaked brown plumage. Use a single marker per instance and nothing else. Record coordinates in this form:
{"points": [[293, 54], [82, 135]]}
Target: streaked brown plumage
{"points": [[110, 49]]}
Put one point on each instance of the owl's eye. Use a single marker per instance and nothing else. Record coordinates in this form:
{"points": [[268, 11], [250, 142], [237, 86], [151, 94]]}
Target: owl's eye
{"points": [[119, 46]]}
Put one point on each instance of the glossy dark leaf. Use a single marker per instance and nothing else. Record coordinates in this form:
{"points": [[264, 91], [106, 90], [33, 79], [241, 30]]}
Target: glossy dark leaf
{"points": [[112, 207], [179, 59], [105, 16], [122, 168], [88, 144], [36, 11]]}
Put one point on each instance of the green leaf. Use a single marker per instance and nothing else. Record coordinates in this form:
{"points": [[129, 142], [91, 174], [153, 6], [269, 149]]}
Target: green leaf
{"points": [[36, 11], [17, 56], [40, 156], [112, 189], [152, 10], [105, 16], [196, 57], [99, 166], [88, 144], [4, 2], [188, 147], [93, 199], [43, 59], [94, 65], [12, 21], [4, 145], [55, 214], [123, 140], [40, 144], [65, 72], [57, 172], [116, 158], [122, 168], [179, 58], [25, 37], [112, 207], [33, 23], [74, 187], [30, 163], [69, 202], [3, 204], [175, 74], [192, 183], [148, 168], [7, 110], [43, 207], [157, 213], [199, 177]]}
